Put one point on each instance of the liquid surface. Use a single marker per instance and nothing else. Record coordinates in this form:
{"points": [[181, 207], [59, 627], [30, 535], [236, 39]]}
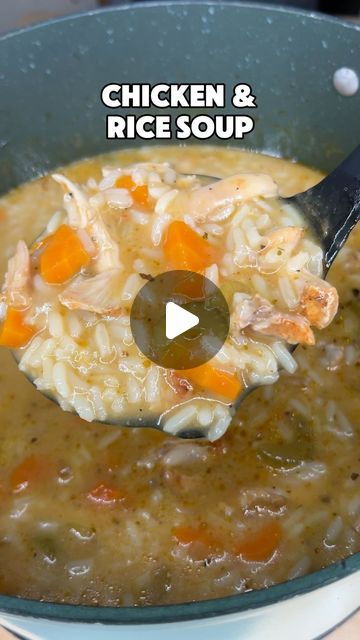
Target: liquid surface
{"points": [[94, 515]]}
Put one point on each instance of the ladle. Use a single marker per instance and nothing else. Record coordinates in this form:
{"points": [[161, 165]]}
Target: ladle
{"points": [[332, 209]]}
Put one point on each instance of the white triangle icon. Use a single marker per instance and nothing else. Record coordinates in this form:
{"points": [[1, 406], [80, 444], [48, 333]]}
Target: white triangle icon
{"points": [[178, 320]]}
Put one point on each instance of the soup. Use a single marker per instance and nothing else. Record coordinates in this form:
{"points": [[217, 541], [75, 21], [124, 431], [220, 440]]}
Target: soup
{"points": [[90, 334], [98, 515]]}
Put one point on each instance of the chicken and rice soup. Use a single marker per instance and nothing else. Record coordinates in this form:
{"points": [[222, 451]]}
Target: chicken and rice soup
{"points": [[99, 515], [67, 301]]}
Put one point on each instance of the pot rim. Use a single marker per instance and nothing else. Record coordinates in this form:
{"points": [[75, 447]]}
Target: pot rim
{"points": [[182, 612], [234, 604], [142, 4]]}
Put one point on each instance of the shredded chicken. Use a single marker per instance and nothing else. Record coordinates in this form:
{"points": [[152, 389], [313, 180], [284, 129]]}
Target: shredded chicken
{"points": [[83, 215], [109, 253], [17, 290], [262, 316], [77, 205], [87, 242], [101, 293], [283, 240], [293, 328], [319, 302], [243, 186]]}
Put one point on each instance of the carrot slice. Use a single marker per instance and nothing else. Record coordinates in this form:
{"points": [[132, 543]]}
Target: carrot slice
{"points": [[208, 377], [141, 197], [105, 495], [187, 535], [32, 470], [125, 182], [260, 546], [15, 333], [186, 249], [139, 193], [63, 256]]}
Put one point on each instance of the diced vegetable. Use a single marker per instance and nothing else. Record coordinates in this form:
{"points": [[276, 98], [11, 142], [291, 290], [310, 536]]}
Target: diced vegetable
{"points": [[260, 546], [125, 182], [208, 377], [63, 256], [186, 535], [140, 196], [31, 471], [15, 333], [105, 495], [186, 249], [254, 547], [139, 193]]}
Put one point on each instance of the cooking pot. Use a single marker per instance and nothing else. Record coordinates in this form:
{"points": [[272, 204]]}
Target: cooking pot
{"points": [[51, 77]]}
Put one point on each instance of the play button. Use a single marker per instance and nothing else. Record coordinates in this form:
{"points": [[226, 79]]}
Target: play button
{"points": [[179, 319]]}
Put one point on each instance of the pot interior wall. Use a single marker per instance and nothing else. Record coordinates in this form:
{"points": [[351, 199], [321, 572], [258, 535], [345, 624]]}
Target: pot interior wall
{"points": [[51, 77]]}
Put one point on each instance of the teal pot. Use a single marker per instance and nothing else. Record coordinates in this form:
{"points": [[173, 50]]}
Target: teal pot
{"points": [[51, 76]]}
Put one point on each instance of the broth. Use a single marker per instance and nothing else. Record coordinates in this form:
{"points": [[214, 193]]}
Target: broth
{"points": [[96, 515]]}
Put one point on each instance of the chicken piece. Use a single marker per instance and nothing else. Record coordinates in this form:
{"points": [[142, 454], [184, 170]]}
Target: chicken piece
{"points": [[82, 215], [108, 249], [16, 290], [319, 302], [181, 386], [262, 316], [201, 203], [77, 205], [101, 293], [282, 242], [246, 310], [293, 328]]}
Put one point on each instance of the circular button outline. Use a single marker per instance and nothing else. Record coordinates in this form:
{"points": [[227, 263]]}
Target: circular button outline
{"points": [[197, 294]]}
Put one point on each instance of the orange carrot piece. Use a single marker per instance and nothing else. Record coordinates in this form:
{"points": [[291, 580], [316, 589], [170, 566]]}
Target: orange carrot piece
{"points": [[141, 196], [139, 193], [186, 249], [259, 547], [63, 256], [34, 469], [104, 495], [125, 182], [212, 379], [186, 535], [15, 333]]}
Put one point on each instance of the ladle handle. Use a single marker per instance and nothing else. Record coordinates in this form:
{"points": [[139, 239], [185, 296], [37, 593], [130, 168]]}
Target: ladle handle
{"points": [[333, 205]]}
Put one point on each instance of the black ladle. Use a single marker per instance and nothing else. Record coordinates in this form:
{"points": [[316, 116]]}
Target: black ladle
{"points": [[332, 209]]}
